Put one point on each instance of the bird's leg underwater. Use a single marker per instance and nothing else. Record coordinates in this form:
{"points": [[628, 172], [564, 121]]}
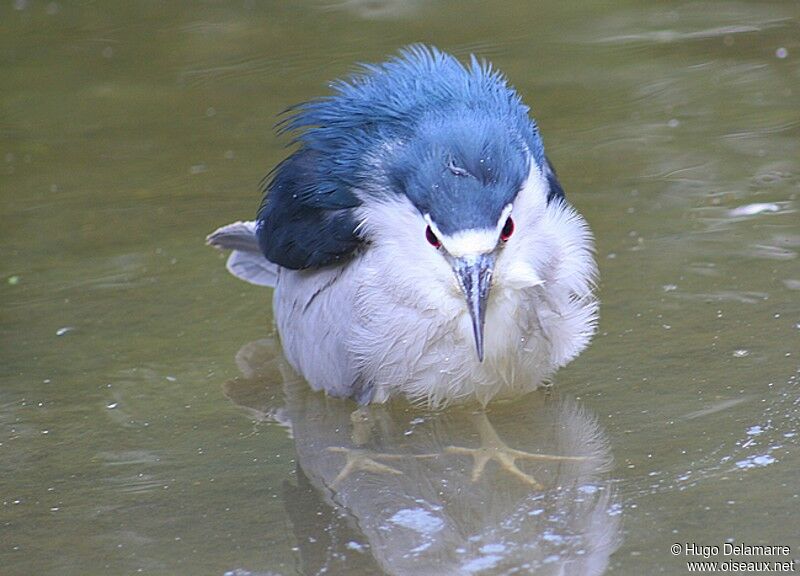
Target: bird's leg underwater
{"points": [[493, 448], [362, 459], [362, 425], [358, 459]]}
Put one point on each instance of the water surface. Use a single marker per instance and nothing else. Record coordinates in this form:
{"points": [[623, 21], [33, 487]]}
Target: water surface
{"points": [[131, 441]]}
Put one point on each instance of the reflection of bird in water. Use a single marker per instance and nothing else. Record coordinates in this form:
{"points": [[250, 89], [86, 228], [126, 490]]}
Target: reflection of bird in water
{"points": [[493, 448], [418, 239], [429, 513]]}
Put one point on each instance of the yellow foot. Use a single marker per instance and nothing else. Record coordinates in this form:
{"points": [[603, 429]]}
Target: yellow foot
{"points": [[493, 448], [362, 460], [359, 459]]}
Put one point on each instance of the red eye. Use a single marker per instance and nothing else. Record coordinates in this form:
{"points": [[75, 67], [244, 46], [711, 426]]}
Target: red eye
{"points": [[431, 238], [508, 230]]}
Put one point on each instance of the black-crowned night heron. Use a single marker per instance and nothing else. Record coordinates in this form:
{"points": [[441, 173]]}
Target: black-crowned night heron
{"points": [[418, 240]]}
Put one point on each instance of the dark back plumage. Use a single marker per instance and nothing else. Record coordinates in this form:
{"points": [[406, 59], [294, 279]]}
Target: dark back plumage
{"points": [[455, 139]]}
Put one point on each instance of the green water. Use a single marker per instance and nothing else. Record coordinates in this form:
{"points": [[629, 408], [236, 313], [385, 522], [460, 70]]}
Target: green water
{"points": [[129, 440]]}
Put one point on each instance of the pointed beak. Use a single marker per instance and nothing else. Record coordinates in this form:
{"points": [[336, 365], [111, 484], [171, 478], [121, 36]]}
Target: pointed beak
{"points": [[474, 274]]}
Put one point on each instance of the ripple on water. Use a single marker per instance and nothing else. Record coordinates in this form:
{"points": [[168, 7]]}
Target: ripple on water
{"points": [[776, 173], [128, 457], [376, 9], [769, 252], [656, 24], [738, 296]]}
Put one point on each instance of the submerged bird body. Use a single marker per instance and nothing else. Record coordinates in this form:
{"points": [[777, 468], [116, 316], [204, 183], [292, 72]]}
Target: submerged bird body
{"points": [[418, 240]]}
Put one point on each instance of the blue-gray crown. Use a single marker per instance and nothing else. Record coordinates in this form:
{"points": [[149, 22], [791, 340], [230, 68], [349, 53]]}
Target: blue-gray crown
{"points": [[455, 139]]}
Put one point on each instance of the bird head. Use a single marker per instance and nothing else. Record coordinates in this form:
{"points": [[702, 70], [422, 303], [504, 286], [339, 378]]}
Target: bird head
{"points": [[458, 179]]}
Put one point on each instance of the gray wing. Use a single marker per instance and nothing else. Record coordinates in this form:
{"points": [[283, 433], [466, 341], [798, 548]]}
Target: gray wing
{"points": [[246, 261]]}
